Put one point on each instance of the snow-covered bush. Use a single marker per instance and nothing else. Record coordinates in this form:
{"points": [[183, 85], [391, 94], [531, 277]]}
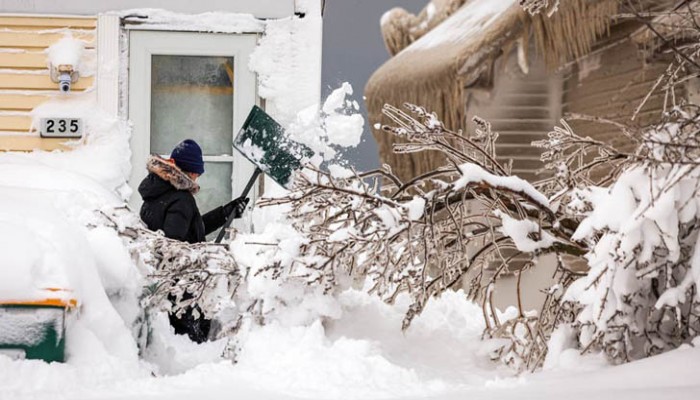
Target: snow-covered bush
{"points": [[201, 273], [640, 295], [472, 222], [431, 233]]}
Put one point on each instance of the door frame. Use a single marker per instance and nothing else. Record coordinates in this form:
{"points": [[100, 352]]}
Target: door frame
{"points": [[145, 43]]}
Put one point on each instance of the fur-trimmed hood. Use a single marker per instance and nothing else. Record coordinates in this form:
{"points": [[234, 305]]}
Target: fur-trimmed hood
{"points": [[171, 174]]}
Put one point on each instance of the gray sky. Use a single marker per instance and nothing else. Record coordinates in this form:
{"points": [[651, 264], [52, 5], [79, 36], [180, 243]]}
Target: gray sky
{"points": [[353, 49]]}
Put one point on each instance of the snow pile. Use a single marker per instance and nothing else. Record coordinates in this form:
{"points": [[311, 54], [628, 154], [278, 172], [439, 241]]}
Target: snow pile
{"points": [[171, 354], [361, 353], [336, 125], [219, 22], [527, 235], [67, 51], [76, 183], [282, 292], [645, 258], [309, 365], [288, 63], [46, 216], [51, 248], [472, 173], [102, 155], [468, 21]]}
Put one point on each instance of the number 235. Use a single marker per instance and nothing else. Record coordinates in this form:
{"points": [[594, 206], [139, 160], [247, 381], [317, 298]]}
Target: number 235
{"points": [[63, 126]]}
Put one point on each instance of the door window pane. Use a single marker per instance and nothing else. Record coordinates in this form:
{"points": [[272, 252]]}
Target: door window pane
{"points": [[192, 97], [215, 186]]}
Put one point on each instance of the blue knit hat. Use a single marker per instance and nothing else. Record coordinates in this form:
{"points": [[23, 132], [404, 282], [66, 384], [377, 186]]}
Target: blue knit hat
{"points": [[188, 156]]}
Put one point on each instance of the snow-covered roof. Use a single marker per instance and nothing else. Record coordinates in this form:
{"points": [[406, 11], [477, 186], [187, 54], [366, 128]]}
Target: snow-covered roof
{"points": [[468, 21], [220, 22], [433, 70]]}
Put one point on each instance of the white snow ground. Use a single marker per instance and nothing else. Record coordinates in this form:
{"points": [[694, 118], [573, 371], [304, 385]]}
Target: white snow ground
{"points": [[363, 356], [360, 354]]}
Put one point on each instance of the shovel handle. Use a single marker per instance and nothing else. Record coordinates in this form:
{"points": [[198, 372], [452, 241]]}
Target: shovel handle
{"points": [[231, 216]]}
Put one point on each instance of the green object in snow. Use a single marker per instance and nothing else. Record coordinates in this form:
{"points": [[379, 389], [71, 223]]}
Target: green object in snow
{"points": [[34, 332], [263, 142]]}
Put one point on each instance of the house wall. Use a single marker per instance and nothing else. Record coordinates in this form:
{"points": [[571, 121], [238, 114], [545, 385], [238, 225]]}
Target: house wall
{"points": [[259, 8], [24, 73], [612, 84]]}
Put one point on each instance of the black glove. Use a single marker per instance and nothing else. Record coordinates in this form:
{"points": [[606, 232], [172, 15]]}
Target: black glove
{"points": [[237, 207]]}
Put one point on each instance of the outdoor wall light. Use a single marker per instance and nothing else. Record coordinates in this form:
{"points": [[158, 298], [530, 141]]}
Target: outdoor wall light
{"points": [[64, 75]]}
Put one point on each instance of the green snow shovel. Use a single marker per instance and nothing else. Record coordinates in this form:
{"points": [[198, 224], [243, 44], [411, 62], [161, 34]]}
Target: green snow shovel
{"points": [[263, 142]]}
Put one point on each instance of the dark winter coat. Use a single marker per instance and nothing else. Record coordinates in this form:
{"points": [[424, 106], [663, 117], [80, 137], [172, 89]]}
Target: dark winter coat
{"points": [[169, 204]]}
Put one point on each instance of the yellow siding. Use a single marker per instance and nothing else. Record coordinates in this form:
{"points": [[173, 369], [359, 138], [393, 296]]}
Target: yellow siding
{"points": [[18, 123], [30, 143], [25, 81], [21, 102], [39, 40], [37, 82], [29, 60], [47, 23]]}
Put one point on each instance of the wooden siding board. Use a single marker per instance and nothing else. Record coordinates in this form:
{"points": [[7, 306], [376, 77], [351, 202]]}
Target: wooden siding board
{"points": [[520, 113], [30, 143], [15, 123], [33, 60], [617, 93], [621, 80], [603, 101], [38, 82], [39, 40], [48, 22], [15, 102]]}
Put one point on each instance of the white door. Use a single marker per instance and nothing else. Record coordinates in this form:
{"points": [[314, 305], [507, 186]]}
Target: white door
{"points": [[185, 85]]}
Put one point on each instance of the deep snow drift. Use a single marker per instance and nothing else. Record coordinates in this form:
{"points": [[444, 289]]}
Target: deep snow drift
{"points": [[363, 356]]}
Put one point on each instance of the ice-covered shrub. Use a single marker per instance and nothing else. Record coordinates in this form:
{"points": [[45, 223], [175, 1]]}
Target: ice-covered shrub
{"points": [[471, 221], [640, 296], [429, 234]]}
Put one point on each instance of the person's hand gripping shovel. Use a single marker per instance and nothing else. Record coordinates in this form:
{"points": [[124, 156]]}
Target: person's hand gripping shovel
{"points": [[263, 142]]}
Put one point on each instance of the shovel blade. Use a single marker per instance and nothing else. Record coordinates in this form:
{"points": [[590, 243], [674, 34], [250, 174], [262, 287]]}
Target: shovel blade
{"points": [[264, 143]]}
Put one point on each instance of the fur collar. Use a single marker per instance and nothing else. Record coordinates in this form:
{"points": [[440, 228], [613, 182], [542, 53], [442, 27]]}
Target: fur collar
{"points": [[171, 174]]}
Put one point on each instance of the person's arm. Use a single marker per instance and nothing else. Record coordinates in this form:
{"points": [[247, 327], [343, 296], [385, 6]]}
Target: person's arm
{"points": [[178, 218], [216, 218]]}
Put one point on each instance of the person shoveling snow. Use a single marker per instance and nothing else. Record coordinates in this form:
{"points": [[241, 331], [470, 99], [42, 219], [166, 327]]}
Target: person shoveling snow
{"points": [[168, 193], [169, 205]]}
